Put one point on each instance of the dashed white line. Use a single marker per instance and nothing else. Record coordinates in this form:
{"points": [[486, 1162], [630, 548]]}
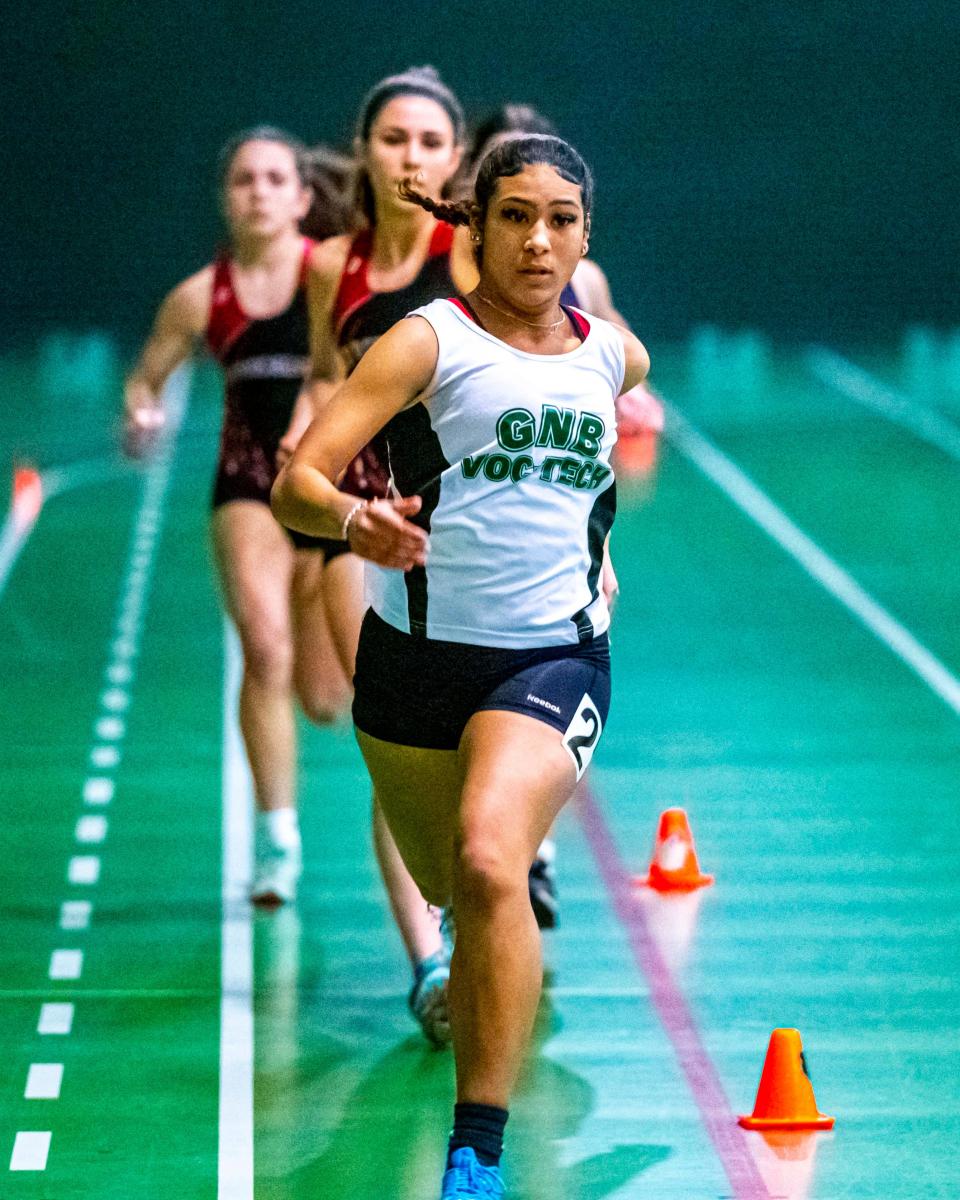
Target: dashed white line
{"points": [[110, 729], [55, 1018], [75, 914], [91, 829], [124, 648], [44, 1081], [31, 1147], [30, 1150], [66, 964], [115, 700], [83, 869], [104, 757], [98, 791]]}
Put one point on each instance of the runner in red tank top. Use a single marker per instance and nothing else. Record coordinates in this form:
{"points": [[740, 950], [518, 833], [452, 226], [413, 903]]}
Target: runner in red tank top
{"points": [[250, 307], [409, 125]]}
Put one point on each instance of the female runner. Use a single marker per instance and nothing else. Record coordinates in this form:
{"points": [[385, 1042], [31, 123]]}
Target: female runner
{"points": [[639, 411], [482, 676], [409, 124], [286, 595]]}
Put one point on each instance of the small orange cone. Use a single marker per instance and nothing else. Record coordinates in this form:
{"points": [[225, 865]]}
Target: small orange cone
{"points": [[27, 492], [674, 867], [785, 1097]]}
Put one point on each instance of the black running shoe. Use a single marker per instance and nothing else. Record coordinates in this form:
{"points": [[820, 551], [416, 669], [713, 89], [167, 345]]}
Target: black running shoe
{"points": [[543, 894]]}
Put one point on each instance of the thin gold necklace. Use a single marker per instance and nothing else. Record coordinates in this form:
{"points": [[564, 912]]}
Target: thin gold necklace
{"points": [[533, 324]]}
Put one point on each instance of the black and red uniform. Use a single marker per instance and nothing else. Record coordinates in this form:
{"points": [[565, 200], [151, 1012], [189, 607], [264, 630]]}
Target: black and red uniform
{"points": [[360, 316], [265, 361]]}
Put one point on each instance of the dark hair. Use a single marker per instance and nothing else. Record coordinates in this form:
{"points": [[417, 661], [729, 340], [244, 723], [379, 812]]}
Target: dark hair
{"points": [[508, 118], [415, 81], [327, 173], [332, 177], [263, 133], [504, 160]]}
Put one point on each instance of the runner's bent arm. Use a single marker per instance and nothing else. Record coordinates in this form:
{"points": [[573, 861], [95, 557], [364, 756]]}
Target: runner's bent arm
{"points": [[637, 361], [392, 373], [180, 320]]}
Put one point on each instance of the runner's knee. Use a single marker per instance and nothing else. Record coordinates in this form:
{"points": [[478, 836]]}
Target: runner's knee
{"points": [[267, 655], [487, 870]]}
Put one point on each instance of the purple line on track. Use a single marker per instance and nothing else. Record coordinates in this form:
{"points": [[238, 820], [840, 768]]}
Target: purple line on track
{"points": [[675, 1016]]}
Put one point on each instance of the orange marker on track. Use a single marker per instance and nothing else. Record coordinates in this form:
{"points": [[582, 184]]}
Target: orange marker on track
{"points": [[785, 1098], [674, 867], [27, 493]]}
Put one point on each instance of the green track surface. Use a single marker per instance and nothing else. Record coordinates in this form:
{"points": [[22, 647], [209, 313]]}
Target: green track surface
{"points": [[819, 772]]}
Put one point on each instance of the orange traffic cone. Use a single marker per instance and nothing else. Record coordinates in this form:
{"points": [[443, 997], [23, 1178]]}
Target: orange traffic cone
{"points": [[27, 492], [674, 867], [785, 1097]]}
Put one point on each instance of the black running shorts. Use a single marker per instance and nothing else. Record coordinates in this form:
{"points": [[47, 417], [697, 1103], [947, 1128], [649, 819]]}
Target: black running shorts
{"points": [[417, 691]]}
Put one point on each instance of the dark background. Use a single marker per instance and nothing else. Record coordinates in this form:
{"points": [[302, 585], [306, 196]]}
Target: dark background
{"points": [[789, 166]]}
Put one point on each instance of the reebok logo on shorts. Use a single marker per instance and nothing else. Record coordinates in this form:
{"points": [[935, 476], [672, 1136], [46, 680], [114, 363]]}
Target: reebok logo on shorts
{"points": [[543, 703]]}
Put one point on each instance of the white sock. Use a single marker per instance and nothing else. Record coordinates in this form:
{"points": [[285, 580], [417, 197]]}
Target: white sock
{"points": [[281, 828]]}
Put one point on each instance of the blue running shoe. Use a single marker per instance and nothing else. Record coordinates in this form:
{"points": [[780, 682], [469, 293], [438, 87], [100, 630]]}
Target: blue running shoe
{"points": [[428, 998], [467, 1179]]}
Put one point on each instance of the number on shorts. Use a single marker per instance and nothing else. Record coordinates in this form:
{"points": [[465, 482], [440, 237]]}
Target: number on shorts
{"points": [[582, 734]]}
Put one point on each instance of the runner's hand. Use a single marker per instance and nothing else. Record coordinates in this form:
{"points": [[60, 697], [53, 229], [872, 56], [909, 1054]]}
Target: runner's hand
{"points": [[381, 533], [142, 429]]}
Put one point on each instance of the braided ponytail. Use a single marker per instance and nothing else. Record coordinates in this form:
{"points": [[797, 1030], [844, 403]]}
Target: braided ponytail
{"points": [[453, 213]]}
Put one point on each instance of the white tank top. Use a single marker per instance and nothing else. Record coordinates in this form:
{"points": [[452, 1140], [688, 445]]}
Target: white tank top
{"points": [[511, 454]]}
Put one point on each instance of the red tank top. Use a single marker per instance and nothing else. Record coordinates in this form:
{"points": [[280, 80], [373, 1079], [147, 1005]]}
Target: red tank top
{"points": [[360, 316], [227, 320], [354, 290]]}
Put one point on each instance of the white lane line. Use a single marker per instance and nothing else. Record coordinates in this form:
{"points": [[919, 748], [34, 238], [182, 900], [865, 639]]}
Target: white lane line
{"points": [[44, 1081], [81, 474], [115, 700], [110, 729], [66, 964], [30, 1152], [104, 757], [83, 869], [857, 384], [91, 829], [124, 648], [17, 527], [31, 1148], [75, 914], [55, 1018], [235, 1168], [818, 565], [98, 791]]}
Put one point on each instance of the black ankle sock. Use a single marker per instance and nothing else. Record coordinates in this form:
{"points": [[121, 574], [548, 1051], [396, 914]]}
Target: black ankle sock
{"points": [[479, 1126]]}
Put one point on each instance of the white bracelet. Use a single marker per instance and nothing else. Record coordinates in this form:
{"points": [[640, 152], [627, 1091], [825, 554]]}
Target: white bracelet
{"points": [[345, 527]]}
